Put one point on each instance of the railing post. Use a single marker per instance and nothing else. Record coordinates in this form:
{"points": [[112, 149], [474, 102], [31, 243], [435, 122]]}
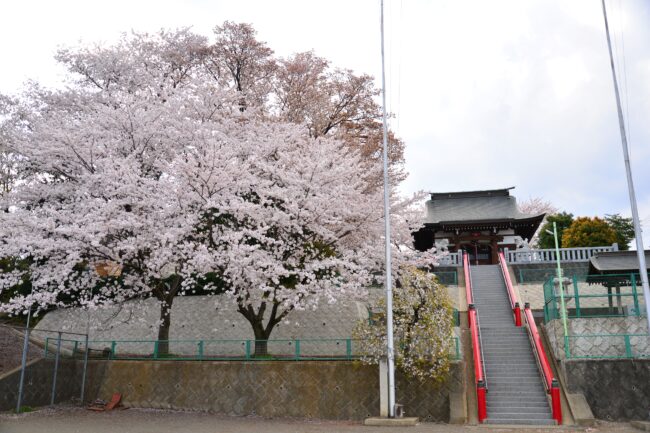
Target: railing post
{"points": [[348, 348], [576, 295], [112, 354], [481, 400], [635, 295], [517, 311], [555, 401], [248, 349], [628, 346], [200, 349], [155, 349]]}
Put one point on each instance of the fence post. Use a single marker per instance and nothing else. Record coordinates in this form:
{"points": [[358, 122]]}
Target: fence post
{"points": [[56, 368], [634, 294], [297, 344], [83, 378], [348, 348], [200, 349], [248, 349], [576, 295], [23, 365], [155, 349], [112, 354], [628, 346]]}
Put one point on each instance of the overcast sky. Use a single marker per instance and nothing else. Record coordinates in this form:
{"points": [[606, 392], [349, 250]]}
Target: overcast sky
{"points": [[485, 94]]}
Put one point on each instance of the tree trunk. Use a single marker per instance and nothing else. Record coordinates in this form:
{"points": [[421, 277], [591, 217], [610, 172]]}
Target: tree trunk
{"points": [[261, 339], [163, 328]]}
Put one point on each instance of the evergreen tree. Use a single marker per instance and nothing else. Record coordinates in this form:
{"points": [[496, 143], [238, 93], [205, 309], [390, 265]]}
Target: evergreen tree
{"points": [[563, 220]]}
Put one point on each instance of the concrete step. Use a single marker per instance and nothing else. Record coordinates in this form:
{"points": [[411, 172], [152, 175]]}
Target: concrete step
{"points": [[517, 421], [518, 404]]}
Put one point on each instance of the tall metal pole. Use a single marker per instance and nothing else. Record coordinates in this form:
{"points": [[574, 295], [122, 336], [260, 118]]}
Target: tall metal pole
{"points": [[643, 270], [23, 363], [561, 286], [389, 288]]}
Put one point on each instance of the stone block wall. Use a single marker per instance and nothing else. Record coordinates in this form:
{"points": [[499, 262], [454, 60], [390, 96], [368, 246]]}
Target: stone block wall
{"points": [[617, 390], [310, 389], [39, 375], [590, 337]]}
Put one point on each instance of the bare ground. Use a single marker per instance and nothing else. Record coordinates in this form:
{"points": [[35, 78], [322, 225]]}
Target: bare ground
{"points": [[70, 420]]}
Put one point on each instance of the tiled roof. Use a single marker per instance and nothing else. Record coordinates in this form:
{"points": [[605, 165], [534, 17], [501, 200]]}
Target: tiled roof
{"points": [[473, 206], [622, 261]]}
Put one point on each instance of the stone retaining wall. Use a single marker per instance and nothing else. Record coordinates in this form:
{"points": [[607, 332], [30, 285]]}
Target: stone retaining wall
{"points": [[590, 337], [310, 389], [617, 390], [37, 389]]}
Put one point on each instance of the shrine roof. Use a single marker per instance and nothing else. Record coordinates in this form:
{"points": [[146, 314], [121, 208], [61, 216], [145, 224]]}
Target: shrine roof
{"points": [[616, 262], [475, 206]]}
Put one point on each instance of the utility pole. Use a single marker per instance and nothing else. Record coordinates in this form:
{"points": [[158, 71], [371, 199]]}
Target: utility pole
{"points": [[643, 269], [389, 290]]}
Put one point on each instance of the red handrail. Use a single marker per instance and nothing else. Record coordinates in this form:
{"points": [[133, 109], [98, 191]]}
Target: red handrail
{"points": [[514, 303], [472, 319], [468, 280], [550, 382]]}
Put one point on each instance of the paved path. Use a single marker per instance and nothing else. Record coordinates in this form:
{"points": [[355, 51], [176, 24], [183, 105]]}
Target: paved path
{"points": [[74, 420]]}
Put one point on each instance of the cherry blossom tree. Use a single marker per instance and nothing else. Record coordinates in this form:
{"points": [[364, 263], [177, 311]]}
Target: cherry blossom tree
{"points": [[146, 176]]}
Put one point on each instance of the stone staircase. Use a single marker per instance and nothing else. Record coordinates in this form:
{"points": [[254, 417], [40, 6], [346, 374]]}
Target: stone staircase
{"points": [[516, 393]]}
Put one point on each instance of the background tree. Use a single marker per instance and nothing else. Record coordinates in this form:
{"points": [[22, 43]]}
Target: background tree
{"points": [[624, 228], [563, 221], [536, 206], [588, 232], [423, 323]]}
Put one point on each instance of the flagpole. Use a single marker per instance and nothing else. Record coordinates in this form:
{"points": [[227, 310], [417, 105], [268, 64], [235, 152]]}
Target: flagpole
{"points": [[389, 289], [643, 270]]}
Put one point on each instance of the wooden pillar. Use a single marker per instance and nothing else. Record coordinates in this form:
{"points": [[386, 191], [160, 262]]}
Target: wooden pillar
{"points": [[495, 252]]}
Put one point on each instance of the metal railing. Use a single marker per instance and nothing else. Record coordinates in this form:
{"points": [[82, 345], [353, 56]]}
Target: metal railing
{"points": [[550, 382], [217, 350], [480, 377], [512, 296], [594, 296], [582, 254], [448, 278], [608, 346]]}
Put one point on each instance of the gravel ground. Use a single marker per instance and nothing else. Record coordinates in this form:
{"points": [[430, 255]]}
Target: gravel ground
{"points": [[71, 420], [11, 349]]}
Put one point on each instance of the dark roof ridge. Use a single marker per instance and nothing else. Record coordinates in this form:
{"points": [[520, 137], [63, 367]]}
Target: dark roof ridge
{"points": [[503, 192]]}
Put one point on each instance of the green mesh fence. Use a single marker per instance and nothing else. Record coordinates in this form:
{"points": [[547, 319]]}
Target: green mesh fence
{"points": [[607, 346], [216, 350], [595, 296]]}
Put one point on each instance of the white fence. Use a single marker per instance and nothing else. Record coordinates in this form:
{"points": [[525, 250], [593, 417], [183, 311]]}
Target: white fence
{"points": [[567, 255], [451, 259]]}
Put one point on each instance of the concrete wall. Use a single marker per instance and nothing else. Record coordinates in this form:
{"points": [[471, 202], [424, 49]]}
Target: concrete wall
{"points": [[37, 389], [617, 390], [310, 389]]}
